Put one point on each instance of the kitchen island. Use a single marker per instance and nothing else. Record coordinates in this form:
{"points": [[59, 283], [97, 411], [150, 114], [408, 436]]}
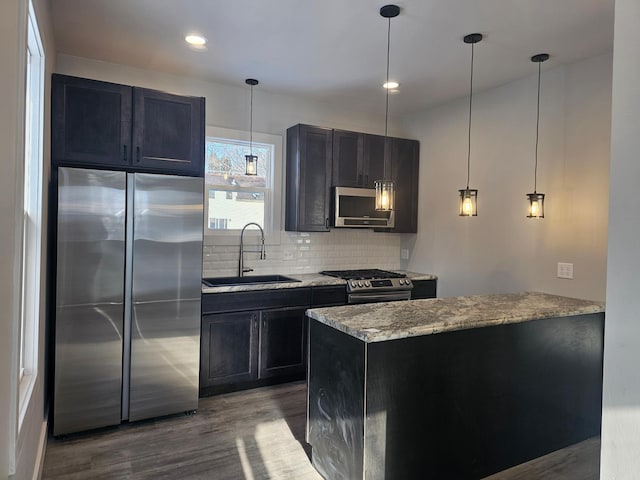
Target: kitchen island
{"points": [[451, 387]]}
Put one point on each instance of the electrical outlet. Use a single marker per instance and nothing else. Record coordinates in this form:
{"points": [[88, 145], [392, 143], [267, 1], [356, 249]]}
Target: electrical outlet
{"points": [[404, 254], [289, 255], [565, 270]]}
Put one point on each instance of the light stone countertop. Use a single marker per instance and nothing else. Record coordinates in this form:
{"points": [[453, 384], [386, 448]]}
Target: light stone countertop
{"points": [[304, 280], [378, 322]]}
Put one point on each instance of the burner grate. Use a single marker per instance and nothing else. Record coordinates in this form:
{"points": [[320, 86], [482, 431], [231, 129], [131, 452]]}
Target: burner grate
{"points": [[362, 274]]}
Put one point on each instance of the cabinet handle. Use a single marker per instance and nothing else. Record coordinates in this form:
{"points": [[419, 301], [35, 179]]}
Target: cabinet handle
{"points": [[366, 180], [326, 222], [124, 154], [138, 154], [359, 179]]}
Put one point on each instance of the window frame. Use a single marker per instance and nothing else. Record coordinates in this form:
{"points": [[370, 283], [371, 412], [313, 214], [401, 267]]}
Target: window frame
{"points": [[31, 227], [273, 192]]}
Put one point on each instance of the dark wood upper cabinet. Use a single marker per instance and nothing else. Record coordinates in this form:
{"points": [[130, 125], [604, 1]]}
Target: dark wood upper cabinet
{"points": [[308, 191], [168, 131], [319, 158], [348, 156], [106, 125], [91, 122], [405, 156], [374, 167], [358, 159]]}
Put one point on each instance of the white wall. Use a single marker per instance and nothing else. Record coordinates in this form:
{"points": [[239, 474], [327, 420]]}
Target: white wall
{"points": [[621, 397], [501, 250], [12, 43]]}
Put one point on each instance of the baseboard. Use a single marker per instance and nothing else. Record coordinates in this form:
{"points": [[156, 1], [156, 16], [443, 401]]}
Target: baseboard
{"points": [[42, 447]]}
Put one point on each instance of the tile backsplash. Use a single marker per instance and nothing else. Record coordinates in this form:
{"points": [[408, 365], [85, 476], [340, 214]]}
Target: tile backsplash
{"points": [[308, 253]]}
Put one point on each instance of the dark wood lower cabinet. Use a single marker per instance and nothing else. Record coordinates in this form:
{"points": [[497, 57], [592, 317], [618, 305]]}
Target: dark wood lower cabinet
{"points": [[228, 351], [282, 345], [252, 339], [424, 289]]}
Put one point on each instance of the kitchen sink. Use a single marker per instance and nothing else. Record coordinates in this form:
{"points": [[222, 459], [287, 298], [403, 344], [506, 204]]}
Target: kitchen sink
{"points": [[249, 280]]}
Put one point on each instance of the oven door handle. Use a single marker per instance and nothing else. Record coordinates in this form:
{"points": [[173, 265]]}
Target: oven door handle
{"points": [[379, 297]]}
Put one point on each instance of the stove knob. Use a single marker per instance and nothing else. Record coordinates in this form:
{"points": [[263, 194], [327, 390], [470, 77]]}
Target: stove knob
{"points": [[401, 281], [354, 284], [367, 283], [360, 284]]}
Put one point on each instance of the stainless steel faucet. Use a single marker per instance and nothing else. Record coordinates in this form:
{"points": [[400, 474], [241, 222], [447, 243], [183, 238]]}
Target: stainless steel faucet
{"points": [[263, 255]]}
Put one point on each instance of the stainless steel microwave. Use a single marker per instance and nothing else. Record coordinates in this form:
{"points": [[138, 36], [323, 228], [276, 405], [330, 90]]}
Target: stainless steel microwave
{"points": [[356, 208]]}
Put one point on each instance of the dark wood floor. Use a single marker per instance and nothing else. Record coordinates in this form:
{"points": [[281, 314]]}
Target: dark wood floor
{"points": [[251, 435]]}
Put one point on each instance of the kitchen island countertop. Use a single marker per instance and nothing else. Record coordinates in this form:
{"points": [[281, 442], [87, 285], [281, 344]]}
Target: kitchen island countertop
{"points": [[393, 320]]}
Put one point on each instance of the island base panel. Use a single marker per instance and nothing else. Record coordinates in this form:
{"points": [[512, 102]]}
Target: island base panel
{"points": [[462, 404], [336, 384]]}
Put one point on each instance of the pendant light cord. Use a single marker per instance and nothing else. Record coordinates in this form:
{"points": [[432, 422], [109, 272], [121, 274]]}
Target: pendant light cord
{"points": [[251, 124], [470, 101], [386, 112], [535, 171]]}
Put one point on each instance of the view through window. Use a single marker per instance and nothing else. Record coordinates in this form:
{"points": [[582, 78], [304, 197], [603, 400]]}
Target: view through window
{"points": [[233, 198]]}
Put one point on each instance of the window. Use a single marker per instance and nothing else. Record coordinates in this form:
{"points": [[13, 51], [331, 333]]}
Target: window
{"points": [[234, 199], [32, 218]]}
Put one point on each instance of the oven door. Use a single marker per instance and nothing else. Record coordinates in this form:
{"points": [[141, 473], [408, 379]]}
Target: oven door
{"points": [[371, 297]]}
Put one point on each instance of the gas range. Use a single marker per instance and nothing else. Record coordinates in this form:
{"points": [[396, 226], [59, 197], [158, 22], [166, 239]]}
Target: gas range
{"points": [[373, 285]]}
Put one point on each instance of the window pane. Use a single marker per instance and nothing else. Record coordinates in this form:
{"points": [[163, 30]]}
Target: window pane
{"points": [[236, 199], [225, 163], [233, 209]]}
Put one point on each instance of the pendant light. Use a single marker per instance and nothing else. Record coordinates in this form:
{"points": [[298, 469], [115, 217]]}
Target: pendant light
{"points": [[536, 200], [385, 191], [469, 196], [251, 159]]}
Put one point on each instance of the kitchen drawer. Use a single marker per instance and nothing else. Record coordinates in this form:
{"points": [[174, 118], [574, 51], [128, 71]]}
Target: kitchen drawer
{"points": [[255, 300], [328, 296]]}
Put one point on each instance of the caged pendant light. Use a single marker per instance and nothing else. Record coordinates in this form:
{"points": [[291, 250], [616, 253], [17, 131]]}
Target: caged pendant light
{"points": [[536, 200], [469, 196], [385, 190], [251, 159]]}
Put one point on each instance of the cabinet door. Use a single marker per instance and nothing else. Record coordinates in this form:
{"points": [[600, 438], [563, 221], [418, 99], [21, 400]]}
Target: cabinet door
{"points": [[404, 169], [229, 348], [348, 157], [168, 133], [282, 342], [374, 160], [91, 122], [309, 153]]}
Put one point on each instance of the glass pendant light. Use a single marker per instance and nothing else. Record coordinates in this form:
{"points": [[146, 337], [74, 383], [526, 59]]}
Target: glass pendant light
{"points": [[251, 159], [536, 200], [469, 196], [385, 190]]}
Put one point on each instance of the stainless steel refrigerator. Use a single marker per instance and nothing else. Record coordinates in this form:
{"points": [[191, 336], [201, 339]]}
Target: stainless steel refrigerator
{"points": [[128, 289]]}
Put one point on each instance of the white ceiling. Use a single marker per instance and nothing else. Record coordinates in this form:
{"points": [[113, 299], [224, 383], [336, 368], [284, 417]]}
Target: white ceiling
{"points": [[335, 50]]}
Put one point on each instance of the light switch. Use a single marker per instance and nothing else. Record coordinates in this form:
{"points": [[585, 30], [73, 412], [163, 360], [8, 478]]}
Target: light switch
{"points": [[404, 254]]}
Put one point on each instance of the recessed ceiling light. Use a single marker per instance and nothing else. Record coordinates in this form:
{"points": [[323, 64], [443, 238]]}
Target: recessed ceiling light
{"points": [[390, 85], [195, 40]]}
